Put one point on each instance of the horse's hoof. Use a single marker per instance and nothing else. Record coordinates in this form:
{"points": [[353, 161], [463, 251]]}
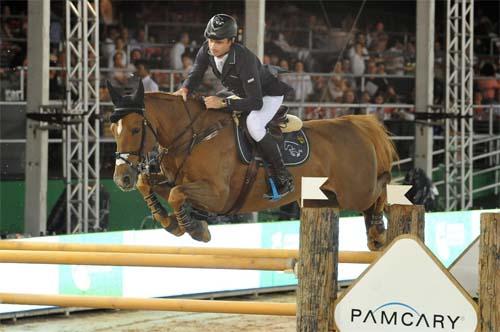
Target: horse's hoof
{"points": [[376, 239], [375, 245], [201, 233], [171, 225]]}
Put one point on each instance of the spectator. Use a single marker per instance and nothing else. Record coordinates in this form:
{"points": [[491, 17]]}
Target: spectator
{"points": [[488, 84], [348, 98], [187, 64], [142, 70], [376, 34], [380, 81], [367, 99], [56, 90], [395, 59], [380, 46], [360, 39], [382, 113], [56, 31], [124, 34], [106, 11], [358, 60], [284, 64], [346, 66], [391, 95], [135, 54], [371, 84], [178, 50], [300, 82], [337, 86], [118, 73], [275, 60], [266, 60], [119, 48], [140, 41], [108, 48]]}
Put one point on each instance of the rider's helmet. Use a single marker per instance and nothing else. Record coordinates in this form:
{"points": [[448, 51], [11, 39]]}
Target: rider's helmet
{"points": [[221, 26]]}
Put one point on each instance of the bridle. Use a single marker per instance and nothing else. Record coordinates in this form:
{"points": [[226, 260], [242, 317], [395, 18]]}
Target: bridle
{"points": [[145, 161]]}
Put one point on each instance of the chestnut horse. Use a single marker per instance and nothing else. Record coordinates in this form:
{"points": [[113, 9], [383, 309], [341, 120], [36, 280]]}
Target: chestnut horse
{"points": [[202, 169]]}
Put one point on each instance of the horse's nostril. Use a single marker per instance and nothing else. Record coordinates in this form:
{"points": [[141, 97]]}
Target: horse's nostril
{"points": [[126, 180]]}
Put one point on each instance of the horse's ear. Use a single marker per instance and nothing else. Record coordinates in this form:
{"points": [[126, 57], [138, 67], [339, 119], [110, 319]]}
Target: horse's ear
{"points": [[139, 93], [115, 96]]}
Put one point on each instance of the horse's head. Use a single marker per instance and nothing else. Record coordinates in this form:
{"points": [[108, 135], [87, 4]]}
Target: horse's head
{"points": [[135, 137]]}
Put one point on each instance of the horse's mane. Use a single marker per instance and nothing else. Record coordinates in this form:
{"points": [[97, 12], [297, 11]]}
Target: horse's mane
{"points": [[162, 95]]}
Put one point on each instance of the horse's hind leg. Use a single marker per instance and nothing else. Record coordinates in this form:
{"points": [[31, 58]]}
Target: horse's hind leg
{"points": [[201, 194], [160, 215], [375, 229]]}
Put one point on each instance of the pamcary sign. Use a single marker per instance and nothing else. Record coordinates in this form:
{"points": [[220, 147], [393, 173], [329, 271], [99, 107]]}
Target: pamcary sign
{"points": [[406, 289]]}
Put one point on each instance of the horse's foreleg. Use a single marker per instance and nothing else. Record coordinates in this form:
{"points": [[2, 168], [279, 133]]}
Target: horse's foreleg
{"points": [[375, 229], [199, 193], [159, 213]]}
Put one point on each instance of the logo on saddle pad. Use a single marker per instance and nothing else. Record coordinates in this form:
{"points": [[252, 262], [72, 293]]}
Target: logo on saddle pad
{"points": [[294, 149]]}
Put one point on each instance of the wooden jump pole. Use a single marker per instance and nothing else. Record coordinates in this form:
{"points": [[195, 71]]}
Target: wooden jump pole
{"points": [[489, 272], [359, 257], [405, 219], [138, 249], [317, 268], [105, 302], [122, 259]]}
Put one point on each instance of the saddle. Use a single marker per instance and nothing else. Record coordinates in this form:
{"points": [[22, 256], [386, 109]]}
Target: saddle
{"points": [[286, 128]]}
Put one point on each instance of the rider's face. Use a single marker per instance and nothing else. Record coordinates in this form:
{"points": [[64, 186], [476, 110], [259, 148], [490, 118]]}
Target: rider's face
{"points": [[219, 47]]}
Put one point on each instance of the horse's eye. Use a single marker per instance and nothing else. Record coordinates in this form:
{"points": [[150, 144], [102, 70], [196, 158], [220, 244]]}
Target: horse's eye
{"points": [[135, 131]]}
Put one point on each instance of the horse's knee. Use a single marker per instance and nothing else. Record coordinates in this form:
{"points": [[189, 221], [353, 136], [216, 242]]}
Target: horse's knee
{"points": [[176, 198], [143, 185]]}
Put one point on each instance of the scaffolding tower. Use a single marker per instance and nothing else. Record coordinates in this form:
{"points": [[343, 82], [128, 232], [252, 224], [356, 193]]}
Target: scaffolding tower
{"points": [[458, 102], [81, 140]]}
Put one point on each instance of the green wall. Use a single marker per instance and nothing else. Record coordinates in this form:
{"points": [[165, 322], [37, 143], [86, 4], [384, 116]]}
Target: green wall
{"points": [[127, 209]]}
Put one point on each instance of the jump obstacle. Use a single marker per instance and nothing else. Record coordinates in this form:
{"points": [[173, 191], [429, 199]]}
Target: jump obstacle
{"points": [[317, 269]]}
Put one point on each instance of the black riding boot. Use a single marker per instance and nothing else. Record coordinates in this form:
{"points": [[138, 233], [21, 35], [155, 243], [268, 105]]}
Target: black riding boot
{"points": [[272, 154]]}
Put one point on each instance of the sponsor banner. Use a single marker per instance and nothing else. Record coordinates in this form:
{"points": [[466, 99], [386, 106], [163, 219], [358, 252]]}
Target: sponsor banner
{"points": [[406, 289]]}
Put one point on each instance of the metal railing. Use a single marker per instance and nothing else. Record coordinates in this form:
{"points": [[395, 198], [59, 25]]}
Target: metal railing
{"points": [[486, 145]]}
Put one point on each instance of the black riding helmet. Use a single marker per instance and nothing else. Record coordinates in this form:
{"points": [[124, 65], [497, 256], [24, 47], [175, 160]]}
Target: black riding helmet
{"points": [[221, 26]]}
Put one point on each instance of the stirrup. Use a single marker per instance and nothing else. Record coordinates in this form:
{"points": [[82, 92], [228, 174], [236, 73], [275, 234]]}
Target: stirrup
{"points": [[274, 194]]}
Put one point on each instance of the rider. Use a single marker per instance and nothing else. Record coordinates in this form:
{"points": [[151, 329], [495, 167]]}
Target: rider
{"points": [[242, 73]]}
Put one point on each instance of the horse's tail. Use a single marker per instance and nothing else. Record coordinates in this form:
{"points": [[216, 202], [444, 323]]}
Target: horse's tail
{"points": [[375, 131]]}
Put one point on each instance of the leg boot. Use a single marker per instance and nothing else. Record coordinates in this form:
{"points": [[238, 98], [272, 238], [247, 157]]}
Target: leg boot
{"points": [[272, 154]]}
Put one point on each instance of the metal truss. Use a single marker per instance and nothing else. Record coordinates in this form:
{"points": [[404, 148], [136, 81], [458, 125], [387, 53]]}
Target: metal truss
{"points": [[458, 102], [81, 141]]}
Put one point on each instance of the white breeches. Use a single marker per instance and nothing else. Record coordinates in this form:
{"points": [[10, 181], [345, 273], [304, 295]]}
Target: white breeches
{"points": [[257, 120]]}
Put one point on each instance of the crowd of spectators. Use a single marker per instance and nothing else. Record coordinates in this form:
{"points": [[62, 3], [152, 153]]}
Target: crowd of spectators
{"points": [[326, 64]]}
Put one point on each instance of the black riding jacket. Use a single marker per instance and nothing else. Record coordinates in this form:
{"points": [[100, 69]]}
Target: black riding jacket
{"points": [[242, 74]]}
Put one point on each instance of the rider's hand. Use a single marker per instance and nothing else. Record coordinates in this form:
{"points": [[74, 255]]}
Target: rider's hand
{"points": [[182, 92], [214, 102]]}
